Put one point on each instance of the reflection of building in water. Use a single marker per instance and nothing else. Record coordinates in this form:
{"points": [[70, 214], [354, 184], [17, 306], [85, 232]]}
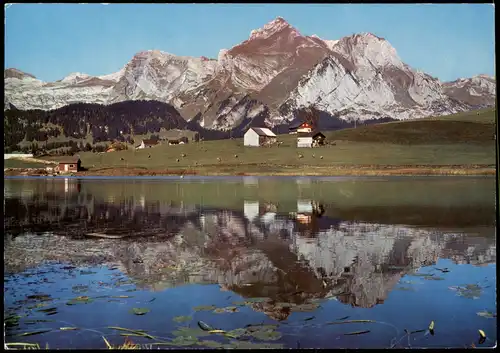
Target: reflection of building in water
{"points": [[284, 259], [72, 185], [307, 217], [251, 210], [303, 181], [304, 206]]}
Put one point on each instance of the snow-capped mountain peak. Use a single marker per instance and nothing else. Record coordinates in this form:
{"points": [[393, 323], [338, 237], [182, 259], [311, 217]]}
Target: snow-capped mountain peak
{"points": [[264, 80], [275, 26]]}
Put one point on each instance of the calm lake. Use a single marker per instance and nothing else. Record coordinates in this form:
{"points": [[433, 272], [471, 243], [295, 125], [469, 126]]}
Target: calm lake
{"points": [[271, 262]]}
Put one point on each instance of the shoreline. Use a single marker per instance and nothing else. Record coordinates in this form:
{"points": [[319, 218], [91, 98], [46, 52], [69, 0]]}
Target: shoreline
{"points": [[353, 170]]}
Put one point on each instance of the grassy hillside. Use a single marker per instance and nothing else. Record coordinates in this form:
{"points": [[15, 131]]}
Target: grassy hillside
{"points": [[463, 139], [23, 163], [477, 127]]}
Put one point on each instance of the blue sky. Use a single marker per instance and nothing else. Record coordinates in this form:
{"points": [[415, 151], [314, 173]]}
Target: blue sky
{"points": [[50, 41]]}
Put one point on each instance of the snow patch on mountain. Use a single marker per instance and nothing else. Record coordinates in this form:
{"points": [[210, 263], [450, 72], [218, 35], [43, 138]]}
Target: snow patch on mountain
{"points": [[114, 76], [75, 77], [331, 43]]}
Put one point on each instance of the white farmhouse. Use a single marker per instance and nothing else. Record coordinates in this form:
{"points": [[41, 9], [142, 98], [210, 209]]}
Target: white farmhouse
{"points": [[304, 140], [259, 136], [310, 139]]}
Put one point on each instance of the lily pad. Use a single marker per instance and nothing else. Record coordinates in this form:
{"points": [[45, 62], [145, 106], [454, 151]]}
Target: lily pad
{"points": [[185, 341], [486, 314], [268, 327], [305, 307], [182, 318], [266, 335], [79, 300], [236, 332], [204, 308], [229, 309], [433, 278], [139, 311], [211, 344], [240, 303], [252, 345], [470, 291], [190, 332], [38, 305]]}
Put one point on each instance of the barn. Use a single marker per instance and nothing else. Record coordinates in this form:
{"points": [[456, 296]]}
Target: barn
{"points": [[70, 165], [310, 139], [259, 136], [299, 127]]}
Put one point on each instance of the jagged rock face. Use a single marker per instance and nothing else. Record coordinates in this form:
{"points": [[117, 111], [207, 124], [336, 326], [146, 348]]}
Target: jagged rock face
{"points": [[27, 92], [162, 76], [364, 78], [257, 61], [15, 73], [265, 80], [476, 91]]}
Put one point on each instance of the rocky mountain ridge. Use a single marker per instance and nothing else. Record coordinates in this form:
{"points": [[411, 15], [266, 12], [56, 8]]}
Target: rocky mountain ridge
{"points": [[265, 80]]}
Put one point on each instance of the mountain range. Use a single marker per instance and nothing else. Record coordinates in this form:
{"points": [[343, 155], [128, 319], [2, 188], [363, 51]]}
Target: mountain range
{"points": [[266, 80]]}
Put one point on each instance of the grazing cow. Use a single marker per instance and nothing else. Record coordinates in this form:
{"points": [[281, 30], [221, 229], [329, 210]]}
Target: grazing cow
{"points": [[320, 157], [301, 156], [235, 156], [177, 160], [122, 159]]}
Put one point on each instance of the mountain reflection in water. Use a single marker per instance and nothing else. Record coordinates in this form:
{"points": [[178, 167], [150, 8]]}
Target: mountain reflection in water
{"points": [[288, 247]]}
